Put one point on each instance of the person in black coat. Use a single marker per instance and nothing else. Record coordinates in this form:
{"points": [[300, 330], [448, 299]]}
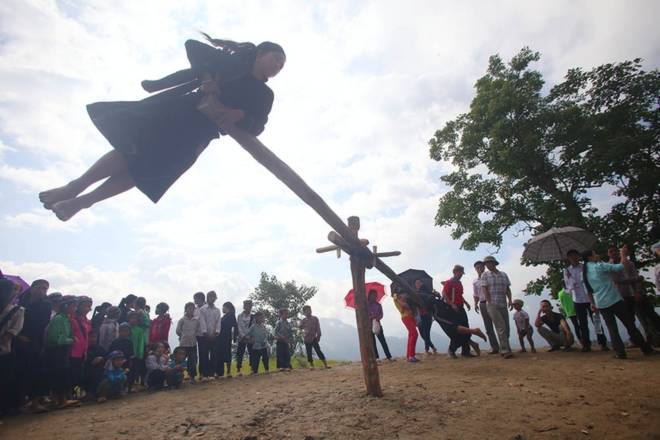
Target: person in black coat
{"points": [[159, 138], [228, 334], [29, 344]]}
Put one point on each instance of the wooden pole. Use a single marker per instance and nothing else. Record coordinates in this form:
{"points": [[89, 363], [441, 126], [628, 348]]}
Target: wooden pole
{"points": [[367, 352]]}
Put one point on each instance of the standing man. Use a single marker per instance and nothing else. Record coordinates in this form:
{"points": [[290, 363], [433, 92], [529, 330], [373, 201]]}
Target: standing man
{"points": [[575, 286], [209, 327], [552, 326], [452, 293], [480, 306], [244, 320], [497, 289]]}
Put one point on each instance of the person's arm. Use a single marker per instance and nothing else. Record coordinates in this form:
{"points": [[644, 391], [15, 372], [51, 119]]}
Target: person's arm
{"points": [[255, 112], [179, 327], [467, 305], [318, 329], [508, 297], [538, 322], [527, 326], [235, 330]]}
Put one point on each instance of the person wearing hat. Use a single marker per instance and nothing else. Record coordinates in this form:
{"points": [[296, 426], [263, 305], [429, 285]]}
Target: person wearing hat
{"points": [[521, 318], [553, 327], [497, 290], [480, 306], [124, 344], [452, 293], [114, 377], [58, 344]]}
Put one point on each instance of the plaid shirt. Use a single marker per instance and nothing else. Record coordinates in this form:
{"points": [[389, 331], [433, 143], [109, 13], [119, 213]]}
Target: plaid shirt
{"points": [[497, 284]]}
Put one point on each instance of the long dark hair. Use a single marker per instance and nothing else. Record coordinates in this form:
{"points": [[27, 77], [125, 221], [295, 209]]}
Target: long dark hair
{"points": [[585, 259], [243, 48], [230, 306]]}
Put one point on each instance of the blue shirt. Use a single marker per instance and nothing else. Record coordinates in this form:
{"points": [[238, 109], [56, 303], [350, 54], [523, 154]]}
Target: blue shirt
{"points": [[599, 276]]}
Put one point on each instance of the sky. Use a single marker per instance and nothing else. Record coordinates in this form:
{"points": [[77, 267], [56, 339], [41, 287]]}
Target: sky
{"points": [[365, 86]]}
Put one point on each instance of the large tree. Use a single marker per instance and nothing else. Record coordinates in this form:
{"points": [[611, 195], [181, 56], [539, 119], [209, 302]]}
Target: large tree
{"points": [[272, 294], [528, 160]]}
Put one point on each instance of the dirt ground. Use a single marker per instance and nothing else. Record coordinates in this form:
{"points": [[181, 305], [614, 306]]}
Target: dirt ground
{"points": [[543, 396]]}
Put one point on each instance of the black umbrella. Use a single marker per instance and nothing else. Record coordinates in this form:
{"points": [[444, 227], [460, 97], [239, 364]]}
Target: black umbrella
{"points": [[411, 275]]}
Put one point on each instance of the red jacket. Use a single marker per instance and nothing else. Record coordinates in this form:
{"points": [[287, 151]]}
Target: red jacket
{"points": [[160, 329], [455, 287]]}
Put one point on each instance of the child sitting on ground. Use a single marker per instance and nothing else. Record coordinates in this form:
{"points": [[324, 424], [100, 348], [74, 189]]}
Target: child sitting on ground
{"points": [[125, 346], [114, 378], [156, 363], [521, 318], [258, 335], [177, 365], [311, 336]]}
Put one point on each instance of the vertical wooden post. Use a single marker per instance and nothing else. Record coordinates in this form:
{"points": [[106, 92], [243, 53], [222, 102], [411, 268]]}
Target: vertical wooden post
{"points": [[367, 352]]}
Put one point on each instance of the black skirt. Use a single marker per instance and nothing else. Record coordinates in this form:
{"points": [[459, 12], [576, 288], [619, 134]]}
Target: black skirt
{"points": [[160, 138]]}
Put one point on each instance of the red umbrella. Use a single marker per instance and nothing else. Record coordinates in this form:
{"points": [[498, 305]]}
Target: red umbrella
{"points": [[349, 299]]}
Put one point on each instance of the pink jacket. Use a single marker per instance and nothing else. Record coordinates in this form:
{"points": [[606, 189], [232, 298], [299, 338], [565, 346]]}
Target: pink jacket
{"points": [[80, 328]]}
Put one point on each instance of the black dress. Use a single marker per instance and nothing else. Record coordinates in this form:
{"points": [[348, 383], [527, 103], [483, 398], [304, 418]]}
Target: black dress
{"points": [[162, 136], [228, 331]]}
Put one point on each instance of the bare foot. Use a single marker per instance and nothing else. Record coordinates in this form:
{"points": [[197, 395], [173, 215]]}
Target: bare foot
{"points": [[66, 209], [478, 332], [52, 196]]}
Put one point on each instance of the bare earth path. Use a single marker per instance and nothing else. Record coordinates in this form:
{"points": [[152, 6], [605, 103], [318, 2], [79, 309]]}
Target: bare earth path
{"points": [[544, 396]]}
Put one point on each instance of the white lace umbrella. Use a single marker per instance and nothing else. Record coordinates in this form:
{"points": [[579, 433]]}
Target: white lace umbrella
{"points": [[553, 244]]}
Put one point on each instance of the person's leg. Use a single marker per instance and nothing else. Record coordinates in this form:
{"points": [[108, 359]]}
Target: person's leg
{"points": [[191, 358], [463, 321], [373, 340], [254, 361], [383, 343], [498, 318], [264, 359], [530, 339], [422, 333], [551, 337], [110, 164], [279, 354], [650, 320], [308, 350], [240, 353], [623, 313], [427, 321], [582, 312], [203, 347], [610, 322], [114, 185], [319, 353], [521, 340], [576, 327], [490, 331], [409, 323]]}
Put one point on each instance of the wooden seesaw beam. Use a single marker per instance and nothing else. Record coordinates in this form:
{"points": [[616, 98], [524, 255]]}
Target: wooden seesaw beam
{"points": [[295, 183]]}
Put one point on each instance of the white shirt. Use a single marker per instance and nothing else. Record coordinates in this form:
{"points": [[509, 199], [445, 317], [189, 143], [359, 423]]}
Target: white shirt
{"points": [[243, 320], [477, 287], [575, 285], [519, 317], [209, 319]]}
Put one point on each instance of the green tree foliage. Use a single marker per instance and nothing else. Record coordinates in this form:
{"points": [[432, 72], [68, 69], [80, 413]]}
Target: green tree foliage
{"points": [[526, 160], [271, 295]]}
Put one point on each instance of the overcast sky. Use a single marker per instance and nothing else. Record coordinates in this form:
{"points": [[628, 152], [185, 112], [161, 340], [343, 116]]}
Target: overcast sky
{"points": [[365, 86]]}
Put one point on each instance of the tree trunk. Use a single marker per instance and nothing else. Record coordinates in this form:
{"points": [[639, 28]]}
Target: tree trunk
{"points": [[367, 352]]}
